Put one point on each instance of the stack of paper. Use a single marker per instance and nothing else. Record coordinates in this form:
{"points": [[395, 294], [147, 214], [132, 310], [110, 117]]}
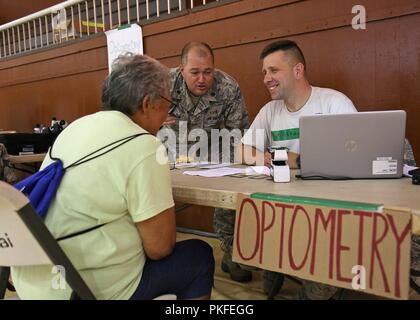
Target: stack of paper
{"points": [[227, 171]]}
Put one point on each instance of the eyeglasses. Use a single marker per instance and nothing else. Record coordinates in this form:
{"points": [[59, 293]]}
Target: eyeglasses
{"points": [[170, 101], [172, 104]]}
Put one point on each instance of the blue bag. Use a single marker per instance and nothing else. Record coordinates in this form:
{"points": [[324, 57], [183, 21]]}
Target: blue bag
{"points": [[42, 186]]}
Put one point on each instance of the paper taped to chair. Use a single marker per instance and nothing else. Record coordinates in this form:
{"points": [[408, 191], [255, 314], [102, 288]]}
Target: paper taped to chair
{"points": [[18, 246], [344, 244]]}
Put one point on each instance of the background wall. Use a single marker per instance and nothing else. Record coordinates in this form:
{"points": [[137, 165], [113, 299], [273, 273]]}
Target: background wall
{"points": [[378, 68], [12, 10]]}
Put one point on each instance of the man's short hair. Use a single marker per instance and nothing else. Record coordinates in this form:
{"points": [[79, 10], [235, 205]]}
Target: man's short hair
{"points": [[203, 50], [288, 46]]}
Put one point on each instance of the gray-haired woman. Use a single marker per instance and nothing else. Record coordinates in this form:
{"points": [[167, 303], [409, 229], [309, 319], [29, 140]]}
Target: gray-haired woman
{"points": [[125, 188]]}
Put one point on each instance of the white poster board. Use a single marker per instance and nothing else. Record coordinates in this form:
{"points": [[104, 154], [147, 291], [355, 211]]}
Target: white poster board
{"points": [[123, 40]]}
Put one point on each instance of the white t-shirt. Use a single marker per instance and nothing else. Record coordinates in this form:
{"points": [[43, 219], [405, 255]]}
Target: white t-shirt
{"points": [[276, 127]]}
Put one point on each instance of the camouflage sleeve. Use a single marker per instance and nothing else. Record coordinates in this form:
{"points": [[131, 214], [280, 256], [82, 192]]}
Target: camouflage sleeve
{"points": [[409, 154], [7, 174], [236, 112], [415, 262]]}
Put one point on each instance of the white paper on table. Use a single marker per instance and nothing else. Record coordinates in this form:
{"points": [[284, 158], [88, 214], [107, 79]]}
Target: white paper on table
{"points": [[218, 172], [226, 171], [214, 166], [261, 170]]}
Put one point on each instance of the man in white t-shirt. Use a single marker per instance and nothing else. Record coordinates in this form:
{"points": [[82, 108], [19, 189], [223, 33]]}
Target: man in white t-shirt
{"points": [[293, 96], [284, 70]]}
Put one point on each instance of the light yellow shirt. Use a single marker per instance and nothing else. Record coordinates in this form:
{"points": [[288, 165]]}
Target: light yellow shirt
{"points": [[120, 188]]}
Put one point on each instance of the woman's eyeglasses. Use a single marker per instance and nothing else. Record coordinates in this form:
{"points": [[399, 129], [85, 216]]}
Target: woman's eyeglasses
{"points": [[172, 105], [170, 101]]}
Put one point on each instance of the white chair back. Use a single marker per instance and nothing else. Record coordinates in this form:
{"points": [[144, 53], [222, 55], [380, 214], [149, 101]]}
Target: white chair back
{"points": [[18, 247]]}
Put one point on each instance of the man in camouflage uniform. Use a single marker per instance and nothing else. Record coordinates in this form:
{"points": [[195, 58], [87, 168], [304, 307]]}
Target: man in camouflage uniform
{"points": [[207, 98], [415, 263], [415, 239], [6, 173]]}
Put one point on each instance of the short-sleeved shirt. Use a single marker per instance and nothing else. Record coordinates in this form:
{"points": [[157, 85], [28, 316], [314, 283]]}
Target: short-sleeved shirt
{"points": [[222, 107], [279, 128], [123, 187]]}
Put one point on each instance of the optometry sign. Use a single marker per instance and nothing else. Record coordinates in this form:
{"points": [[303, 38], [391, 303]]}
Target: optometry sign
{"points": [[350, 245], [125, 39]]}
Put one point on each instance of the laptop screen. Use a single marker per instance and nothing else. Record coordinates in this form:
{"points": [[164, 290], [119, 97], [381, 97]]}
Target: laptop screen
{"points": [[352, 146]]}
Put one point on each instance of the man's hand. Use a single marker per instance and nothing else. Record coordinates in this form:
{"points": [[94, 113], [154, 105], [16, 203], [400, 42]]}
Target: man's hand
{"points": [[169, 121], [292, 160], [267, 159]]}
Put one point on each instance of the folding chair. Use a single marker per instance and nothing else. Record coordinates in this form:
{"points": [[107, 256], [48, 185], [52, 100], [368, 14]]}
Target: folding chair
{"points": [[25, 240]]}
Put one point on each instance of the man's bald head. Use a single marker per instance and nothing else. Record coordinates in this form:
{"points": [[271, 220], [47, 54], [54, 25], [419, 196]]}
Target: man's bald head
{"points": [[201, 49]]}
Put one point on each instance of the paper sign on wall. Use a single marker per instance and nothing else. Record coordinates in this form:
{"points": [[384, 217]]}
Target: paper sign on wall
{"points": [[123, 40]]}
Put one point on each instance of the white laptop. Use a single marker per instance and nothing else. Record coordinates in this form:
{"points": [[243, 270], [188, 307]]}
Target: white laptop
{"points": [[352, 146]]}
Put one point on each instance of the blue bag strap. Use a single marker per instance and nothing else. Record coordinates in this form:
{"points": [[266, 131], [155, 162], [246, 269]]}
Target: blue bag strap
{"points": [[86, 158]]}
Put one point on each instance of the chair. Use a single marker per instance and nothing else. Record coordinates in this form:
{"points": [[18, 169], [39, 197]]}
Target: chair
{"points": [[25, 240]]}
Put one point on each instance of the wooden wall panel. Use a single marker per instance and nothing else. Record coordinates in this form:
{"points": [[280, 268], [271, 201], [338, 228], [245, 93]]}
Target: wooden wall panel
{"points": [[43, 85], [25, 105], [14, 9], [378, 68]]}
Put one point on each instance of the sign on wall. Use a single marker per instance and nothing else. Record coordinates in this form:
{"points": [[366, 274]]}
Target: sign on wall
{"points": [[344, 244], [122, 40]]}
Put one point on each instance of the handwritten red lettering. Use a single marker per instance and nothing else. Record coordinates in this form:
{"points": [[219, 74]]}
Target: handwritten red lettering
{"points": [[283, 215], [293, 265], [340, 247], [375, 250], [319, 215], [361, 215], [238, 229], [400, 239], [263, 226]]}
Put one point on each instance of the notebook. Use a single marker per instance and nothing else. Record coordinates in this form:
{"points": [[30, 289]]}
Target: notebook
{"points": [[352, 146]]}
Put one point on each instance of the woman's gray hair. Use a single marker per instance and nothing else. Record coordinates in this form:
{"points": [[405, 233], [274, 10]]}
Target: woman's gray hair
{"points": [[132, 78]]}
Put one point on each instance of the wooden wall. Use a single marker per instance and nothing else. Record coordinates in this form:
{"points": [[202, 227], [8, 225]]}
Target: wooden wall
{"points": [[378, 68], [12, 10]]}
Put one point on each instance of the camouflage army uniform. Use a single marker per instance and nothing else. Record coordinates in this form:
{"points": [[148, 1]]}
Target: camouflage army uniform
{"points": [[409, 154], [222, 107], [415, 239], [6, 173]]}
